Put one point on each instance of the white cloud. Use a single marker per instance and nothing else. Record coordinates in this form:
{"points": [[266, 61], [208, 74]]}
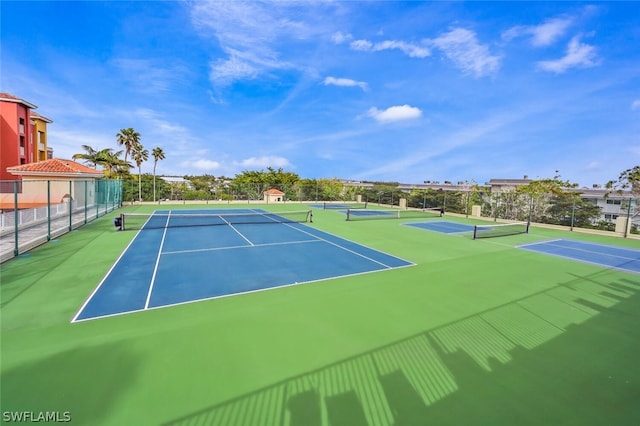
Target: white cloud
{"points": [[411, 50], [265, 161], [255, 36], [339, 37], [579, 55], [544, 34], [635, 104], [202, 164], [225, 72], [394, 113], [345, 82], [461, 46]]}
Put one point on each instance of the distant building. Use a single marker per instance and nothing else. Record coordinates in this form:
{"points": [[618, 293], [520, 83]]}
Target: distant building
{"points": [[23, 136], [273, 196]]}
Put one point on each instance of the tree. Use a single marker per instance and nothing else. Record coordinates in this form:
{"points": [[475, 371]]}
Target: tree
{"points": [[139, 155], [128, 138], [540, 192], [107, 158], [111, 160], [628, 180], [157, 154], [91, 156]]}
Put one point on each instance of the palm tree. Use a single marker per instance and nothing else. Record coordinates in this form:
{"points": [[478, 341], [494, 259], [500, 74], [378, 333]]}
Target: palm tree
{"points": [[91, 156], [157, 154], [139, 155], [111, 160], [128, 138]]}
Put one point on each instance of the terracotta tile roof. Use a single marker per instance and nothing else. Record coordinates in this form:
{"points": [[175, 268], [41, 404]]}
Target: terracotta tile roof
{"points": [[274, 191], [55, 166], [8, 97]]}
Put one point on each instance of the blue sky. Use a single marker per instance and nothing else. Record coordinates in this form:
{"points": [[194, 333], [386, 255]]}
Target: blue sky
{"points": [[385, 91]]}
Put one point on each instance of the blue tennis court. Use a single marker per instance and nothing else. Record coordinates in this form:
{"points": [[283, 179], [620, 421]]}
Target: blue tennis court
{"points": [[624, 259], [443, 227], [188, 255]]}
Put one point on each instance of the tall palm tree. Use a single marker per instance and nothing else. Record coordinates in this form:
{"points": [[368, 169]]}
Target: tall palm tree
{"points": [[139, 155], [128, 138], [157, 154]]}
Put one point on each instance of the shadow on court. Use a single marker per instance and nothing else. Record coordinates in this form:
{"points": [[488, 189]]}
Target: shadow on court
{"points": [[85, 382], [566, 355]]}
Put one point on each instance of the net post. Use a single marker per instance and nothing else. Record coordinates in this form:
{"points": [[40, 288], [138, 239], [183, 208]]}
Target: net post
{"points": [[310, 216], [348, 213], [475, 231]]}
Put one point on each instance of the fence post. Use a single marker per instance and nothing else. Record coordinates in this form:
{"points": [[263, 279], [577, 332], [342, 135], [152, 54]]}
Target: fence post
{"points": [[573, 214], [16, 252], [48, 210], [70, 207], [626, 226], [85, 201]]}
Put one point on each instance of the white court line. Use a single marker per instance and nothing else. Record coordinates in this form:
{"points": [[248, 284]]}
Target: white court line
{"points": [[238, 247], [346, 249], [539, 242], [155, 268], [239, 233], [242, 293], [86, 302], [591, 251], [316, 239]]}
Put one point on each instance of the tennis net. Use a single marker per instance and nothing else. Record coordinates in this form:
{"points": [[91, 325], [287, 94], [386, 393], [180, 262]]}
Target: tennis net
{"points": [[369, 214], [136, 221], [340, 205], [500, 230]]}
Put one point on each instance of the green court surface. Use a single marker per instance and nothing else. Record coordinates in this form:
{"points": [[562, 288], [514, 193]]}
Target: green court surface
{"points": [[476, 333]]}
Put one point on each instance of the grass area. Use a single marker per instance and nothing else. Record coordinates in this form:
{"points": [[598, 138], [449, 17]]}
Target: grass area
{"points": [[478, 332]]}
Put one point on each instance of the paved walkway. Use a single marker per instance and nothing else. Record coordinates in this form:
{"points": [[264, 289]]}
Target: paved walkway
{"points": [[31, 236]]}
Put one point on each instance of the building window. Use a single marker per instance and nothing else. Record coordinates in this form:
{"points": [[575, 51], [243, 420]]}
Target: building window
{"points": [[618, 202], [21, 127], [610, 217]]}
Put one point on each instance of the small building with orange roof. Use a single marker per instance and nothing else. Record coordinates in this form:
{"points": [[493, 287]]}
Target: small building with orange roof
{"points": [[54, 181], [273, 196]]}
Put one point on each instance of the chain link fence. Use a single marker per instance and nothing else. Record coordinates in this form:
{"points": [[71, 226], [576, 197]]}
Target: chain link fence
{"points": [[33, 212]]}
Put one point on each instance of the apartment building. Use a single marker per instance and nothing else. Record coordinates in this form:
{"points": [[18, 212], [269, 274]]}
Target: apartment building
{"points": [[23, 135]]}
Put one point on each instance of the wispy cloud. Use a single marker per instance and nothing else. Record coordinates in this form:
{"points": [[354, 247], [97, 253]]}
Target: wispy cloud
{"points": [[340, 37], [462, 47], [202, 164], [635, 104], [265, 161], [394, 113], [544, 34], [345, 82], [147, 76], [251, 35], [579, 55], [409, 49]]}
